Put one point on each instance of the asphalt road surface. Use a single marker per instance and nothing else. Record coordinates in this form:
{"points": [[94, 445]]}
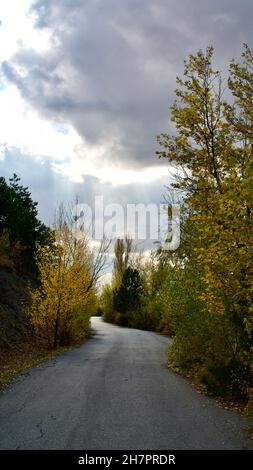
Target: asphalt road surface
{"points": [[114, 392]]}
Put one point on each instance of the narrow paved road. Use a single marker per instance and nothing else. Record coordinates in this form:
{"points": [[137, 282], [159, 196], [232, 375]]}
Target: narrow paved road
{"points": [[114, 392]]}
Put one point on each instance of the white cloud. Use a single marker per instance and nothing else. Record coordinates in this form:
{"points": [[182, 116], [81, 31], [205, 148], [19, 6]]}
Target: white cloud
{"points": [[93, 164], [23, 128], [17, 29]]}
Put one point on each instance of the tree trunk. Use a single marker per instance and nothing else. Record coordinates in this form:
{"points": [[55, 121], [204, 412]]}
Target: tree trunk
{"points": [[56, 329]]}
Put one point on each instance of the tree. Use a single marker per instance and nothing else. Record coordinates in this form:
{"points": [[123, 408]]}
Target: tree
{"points": [[68, 270], [122, 251], [213, 151], [126, 297], [18, 218], [61, 298], [98, 251], [106, 303]]}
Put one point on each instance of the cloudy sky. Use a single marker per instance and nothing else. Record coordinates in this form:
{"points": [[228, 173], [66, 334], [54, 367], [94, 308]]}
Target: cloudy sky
{"points": [[86, 85]]}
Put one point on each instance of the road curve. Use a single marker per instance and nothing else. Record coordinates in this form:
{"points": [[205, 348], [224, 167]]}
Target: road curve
{"points": [[113, 392]]}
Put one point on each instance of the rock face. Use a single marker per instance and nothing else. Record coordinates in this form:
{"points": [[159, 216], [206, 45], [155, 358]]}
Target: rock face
{"points": [[13, 295]]}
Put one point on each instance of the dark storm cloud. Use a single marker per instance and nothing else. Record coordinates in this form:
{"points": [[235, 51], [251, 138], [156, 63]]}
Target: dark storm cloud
{"points": [[111, 69]]}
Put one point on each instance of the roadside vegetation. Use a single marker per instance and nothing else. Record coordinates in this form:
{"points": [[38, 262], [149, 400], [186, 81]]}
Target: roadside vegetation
{"points": [[202, 293], [48, 282]]}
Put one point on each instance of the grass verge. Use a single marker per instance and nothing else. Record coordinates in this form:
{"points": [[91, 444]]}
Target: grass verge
{"points": [[239, 405], [24, 357]]}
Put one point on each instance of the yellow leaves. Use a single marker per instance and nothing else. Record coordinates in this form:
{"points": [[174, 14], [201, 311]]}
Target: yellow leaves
{"points": [[213, 147], [65, 276]]}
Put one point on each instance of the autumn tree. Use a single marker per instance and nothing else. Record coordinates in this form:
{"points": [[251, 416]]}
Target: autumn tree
{"points": [[63, 303], [212, 149]]}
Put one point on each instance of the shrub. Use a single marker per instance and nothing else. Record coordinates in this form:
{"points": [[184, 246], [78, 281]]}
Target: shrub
{"points": [[106, 304]]}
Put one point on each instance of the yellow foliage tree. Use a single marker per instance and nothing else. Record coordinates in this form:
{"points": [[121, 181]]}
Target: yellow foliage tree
{"points": [[61, 306], [213, 148]]}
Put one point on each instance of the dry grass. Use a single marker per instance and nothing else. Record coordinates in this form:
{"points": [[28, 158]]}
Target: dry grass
{"points": [[21, 358], [224, 402]]}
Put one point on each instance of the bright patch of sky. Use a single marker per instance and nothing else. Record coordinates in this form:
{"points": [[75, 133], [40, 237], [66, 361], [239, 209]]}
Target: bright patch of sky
{"points": [[22, 127], [16, 29]]}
